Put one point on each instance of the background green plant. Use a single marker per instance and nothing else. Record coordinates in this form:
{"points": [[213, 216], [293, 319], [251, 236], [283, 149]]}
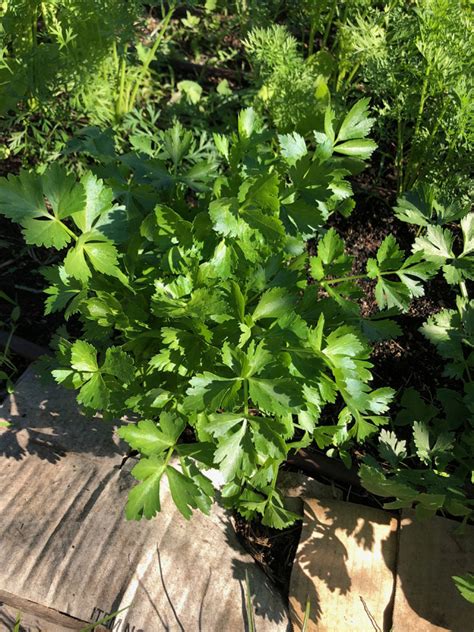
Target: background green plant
{"points": [[415, 59], [66, 65], [293, 89], [54, 46]]}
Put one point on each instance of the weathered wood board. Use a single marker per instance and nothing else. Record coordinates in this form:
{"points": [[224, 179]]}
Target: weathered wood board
{"points": [[345, 565], [36, 618], [430, 553], [296, 487], [364, 571], [65, 544]]}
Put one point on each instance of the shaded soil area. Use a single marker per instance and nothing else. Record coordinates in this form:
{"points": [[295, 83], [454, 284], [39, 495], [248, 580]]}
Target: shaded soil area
{"points": [[22, 281], [273, 550], [410, 360]]}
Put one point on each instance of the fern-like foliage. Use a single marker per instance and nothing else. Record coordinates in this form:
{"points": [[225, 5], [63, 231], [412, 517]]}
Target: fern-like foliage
{"points": [[415, 58], [46, 47], [292, 90]]}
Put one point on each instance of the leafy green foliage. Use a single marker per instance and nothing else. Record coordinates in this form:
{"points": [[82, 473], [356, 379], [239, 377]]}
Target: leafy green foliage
{"points": [[465, 585], [293, 90], [414, 60], [191, 286], [65, 66], [185, 259], [406, 274], [433, 466], [46, 46]]}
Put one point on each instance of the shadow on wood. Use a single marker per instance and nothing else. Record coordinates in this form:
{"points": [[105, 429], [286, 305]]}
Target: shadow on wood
{"points": [[345, 566], [430, 553], [66, 546], [46, 422]]}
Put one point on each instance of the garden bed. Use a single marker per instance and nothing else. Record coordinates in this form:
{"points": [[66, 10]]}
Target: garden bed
{"points": [[251, 223]]}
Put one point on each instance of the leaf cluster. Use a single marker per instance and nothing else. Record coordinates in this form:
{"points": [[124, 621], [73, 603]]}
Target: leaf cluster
{"points": [[415, 58], [293, 90], [190, 278], [51, 46], [433, 468]]}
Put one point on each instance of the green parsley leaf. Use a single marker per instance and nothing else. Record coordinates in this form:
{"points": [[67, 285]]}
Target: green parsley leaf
{"points": [[144, 498]]}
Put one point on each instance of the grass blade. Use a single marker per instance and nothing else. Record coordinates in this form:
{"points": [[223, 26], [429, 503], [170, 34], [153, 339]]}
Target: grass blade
{"points": [[248, 605], [307, 614]]}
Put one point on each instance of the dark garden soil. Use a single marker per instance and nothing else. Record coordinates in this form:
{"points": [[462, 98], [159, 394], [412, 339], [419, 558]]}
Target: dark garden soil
{"points": [[410, 360], [273, 550]]}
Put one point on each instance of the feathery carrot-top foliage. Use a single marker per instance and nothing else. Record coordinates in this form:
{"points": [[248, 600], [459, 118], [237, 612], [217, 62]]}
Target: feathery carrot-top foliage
{"points": [[191, 283], [413, 58], [50, 46], [63, 64], [292, 89]]}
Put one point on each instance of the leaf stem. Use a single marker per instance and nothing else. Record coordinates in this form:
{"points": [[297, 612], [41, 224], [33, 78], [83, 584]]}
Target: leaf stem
{"points": [[69, 231], [410, 179], [183, 466], [329, 24], [352, 277], [149, 59], [424, 90], [169, 454], [312, 34], [119, 106], [399, 157], [348, 81], [464, 294], [246, 398]]}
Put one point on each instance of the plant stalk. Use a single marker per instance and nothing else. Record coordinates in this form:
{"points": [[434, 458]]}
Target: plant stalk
{"points": [[148, 60], [409, 179], [246, 398], [329, 24]]}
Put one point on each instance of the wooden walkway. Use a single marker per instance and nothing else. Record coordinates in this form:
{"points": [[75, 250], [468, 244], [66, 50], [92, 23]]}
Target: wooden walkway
{"points": [[365, 571], [68, 556]]}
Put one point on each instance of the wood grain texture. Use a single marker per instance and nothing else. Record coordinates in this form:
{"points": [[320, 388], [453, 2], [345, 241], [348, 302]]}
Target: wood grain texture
{"points": [[345, 565], [35, 617], [65, 544], [431, 552]]}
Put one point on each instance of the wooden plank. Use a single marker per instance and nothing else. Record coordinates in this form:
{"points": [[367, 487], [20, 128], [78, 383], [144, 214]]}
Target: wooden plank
{"points": [[35, 617], [430, 554], [66, 545], [296, 487], [345, 565], [47, 423]]}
